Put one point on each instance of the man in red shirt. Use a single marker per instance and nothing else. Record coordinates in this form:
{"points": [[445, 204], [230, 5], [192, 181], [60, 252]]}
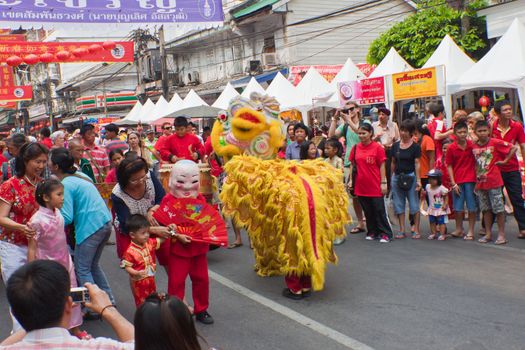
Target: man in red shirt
{"points": [[181, 145], [490, 154], [45, 137], [438, 128], [461, 166], [506, 129], [167, 130]]}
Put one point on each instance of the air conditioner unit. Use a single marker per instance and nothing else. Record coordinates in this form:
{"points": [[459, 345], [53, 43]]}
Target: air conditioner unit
{"points": [[193, 78], [270, 59], [174, 77], [255, 67]]}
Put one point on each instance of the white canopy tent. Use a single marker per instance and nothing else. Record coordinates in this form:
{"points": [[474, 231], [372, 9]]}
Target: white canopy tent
{"points": [[456, 62], [283, 91], [160, 109], [175, 102], [139, 115], [349, 72], [253, 86], [502, 67], [194, 107], [134, 112], [313, 87], [223, 101], [173, 106]]}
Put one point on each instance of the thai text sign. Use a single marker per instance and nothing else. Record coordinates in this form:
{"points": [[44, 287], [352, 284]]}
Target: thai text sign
{"points": [[123, 51], [328, 72], [111, 11], [364, 91], [415, 84]]}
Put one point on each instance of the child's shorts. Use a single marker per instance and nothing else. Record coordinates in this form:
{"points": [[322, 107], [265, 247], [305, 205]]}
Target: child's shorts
{"points": [[491, 200], [438, 220], [466, 196]]}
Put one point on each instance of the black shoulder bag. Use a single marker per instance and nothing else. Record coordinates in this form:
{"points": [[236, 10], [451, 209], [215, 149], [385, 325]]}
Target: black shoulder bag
{"points": [[354, 172], [404, 181]]}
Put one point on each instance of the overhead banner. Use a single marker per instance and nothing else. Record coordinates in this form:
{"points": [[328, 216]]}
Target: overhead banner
{"points": [[68, 51], [16, 93], [418, 83], [12, 37], [328, 72], [111, 11], [364, 91]]}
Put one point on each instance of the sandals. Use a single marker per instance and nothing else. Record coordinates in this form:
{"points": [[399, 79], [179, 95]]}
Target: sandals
{"points": [[400, 236], [357, 230], [468, 238], [416, 235], [455, 235], [234, 245], [442, 237], [431, 236], [521, 236], [485, 239], [501, 241]]}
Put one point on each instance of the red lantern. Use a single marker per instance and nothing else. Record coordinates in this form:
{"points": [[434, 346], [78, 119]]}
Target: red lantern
{"points": [[47, 57], [95, 48], [31, 59], [63, 55], [14, 61], [109, 45], [80, 52], [484, 102]]}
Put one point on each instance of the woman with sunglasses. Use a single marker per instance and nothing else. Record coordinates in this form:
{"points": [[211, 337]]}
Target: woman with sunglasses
{"points": [[164, 322], [17, 206], [85, 208], [137, 192]]}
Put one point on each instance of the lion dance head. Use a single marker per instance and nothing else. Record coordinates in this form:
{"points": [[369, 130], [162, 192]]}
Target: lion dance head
{"points": [[250, 126]]}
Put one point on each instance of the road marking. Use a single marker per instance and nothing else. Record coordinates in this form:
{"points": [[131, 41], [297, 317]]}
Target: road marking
{"points": [[291, 314]]}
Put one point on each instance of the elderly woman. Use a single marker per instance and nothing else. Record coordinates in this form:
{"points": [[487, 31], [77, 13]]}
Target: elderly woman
{"points": [[85, 208], [59, 139], [13, 143], [17, 205], [136, 192], [386, 132]]}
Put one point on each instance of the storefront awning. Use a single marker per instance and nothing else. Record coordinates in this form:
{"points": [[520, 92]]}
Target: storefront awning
{"points": [[254, 7], [261, 78]]}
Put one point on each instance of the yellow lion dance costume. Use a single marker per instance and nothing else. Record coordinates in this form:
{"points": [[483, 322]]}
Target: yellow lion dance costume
{"points": [[292, 210]]}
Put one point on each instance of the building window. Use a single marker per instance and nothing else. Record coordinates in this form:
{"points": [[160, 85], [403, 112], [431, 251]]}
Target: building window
{"points": [[269, 45]]}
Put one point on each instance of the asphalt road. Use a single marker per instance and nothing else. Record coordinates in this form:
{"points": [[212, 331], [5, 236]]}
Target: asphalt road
{"points": [[403, 295]]}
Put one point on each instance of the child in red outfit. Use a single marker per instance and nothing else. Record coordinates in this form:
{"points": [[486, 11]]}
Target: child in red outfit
{"points": [[187, 257], [139, 259]]}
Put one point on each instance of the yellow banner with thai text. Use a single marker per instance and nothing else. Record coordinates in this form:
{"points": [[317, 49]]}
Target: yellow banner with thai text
{"points": [[415, 84]]}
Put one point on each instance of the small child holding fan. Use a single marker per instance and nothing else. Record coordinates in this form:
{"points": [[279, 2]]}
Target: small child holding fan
{"points": [[438, 207]]}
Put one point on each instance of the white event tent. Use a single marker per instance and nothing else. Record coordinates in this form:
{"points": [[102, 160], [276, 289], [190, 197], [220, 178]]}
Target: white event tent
{"points": [[160, 109], [349, 72], [223, 101], [502, 67], [456, 62], [135, 111], [283, 91], [253, 86], [313, 90], [194, 107]]}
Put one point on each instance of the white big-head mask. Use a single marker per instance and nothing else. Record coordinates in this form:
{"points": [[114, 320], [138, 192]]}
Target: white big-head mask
{"points": [[184, 179]]}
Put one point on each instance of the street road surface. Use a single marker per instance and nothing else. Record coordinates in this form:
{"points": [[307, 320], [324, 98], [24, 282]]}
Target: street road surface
{"points": [[403, 295]]}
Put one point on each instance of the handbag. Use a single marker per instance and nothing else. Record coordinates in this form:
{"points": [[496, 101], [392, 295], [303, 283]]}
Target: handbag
{"points": [[354, 172], [404, 181]]}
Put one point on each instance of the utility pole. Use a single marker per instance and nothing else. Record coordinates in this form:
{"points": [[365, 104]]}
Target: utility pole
{"points": [[164, 64]]}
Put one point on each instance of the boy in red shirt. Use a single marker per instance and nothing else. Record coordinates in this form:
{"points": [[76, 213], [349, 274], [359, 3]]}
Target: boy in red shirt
{"points": [[461, 166], [181, 145], [490, 154]]}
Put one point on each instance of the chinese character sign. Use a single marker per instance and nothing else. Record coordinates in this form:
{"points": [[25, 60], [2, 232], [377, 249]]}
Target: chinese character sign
{"points": [[111, 11], [364, 91]]}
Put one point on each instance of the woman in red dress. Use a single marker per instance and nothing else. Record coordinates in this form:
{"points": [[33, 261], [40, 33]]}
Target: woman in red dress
{"points": [[17, 205]]}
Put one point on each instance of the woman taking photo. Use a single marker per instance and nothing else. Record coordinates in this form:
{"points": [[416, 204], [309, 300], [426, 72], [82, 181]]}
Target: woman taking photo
{"points": [[369, 183], [85, 208], [137, 192], [406, 181], [17, 206]]}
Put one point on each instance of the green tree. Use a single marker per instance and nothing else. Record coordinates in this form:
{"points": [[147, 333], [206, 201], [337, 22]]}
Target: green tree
{"points": [[417, 36]]}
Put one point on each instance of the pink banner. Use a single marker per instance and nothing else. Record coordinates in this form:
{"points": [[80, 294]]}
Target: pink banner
{"points": [[364, 91]]}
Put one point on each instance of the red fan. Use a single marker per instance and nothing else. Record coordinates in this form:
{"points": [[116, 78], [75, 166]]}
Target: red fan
{"points": [[193, 218]]}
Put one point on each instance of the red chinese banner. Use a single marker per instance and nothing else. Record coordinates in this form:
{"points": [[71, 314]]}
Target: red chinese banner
{"points": [[120, 51], [12, 37], [364, 91], [16, 93], [6, 81]]}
